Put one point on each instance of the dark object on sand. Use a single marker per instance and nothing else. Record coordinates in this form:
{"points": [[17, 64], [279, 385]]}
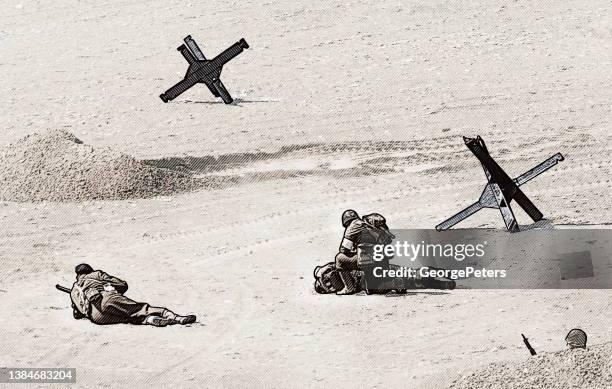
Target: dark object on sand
{"points": [[576, 338], [99, 297], [500, 189], [204, 71], [526, 341]]}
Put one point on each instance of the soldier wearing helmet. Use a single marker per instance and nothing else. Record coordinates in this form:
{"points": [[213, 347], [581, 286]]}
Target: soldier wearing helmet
{"points": [[99, 297], [357, 231]]}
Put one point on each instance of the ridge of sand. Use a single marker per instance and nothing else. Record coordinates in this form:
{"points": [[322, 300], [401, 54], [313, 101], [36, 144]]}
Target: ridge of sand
{"points": [[589, 368], [56, 166]]}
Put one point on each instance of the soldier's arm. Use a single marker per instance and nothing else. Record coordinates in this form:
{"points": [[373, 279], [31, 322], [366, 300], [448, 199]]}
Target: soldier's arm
{"points": [[120, 285], [351, 237], [75, 312]]}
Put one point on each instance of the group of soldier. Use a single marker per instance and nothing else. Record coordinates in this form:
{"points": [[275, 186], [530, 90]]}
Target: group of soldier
{"points": [[100, 297]]}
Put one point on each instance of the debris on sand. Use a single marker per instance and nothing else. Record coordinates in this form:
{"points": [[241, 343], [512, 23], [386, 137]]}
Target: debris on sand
{"points": [[56, 166], [589, 368]]}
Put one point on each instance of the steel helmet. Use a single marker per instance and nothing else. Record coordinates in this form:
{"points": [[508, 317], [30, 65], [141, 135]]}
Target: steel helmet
{"points": [[576, 338], [348, 216], [83, 268]]}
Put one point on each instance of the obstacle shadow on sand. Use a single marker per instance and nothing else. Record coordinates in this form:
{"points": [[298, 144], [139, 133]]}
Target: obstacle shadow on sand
{"points": [[378, 153], [544, 224], [216, 163], [220, 181], [237, 102], [238, 168], [415, 293]]}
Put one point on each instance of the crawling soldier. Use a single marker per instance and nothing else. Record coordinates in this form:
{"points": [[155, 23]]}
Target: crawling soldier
{"points": [[99, 297]]}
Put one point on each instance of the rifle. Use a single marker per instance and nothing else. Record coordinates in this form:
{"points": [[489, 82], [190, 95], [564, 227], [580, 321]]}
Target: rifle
{"points": [[526, 341], [62, 288]]}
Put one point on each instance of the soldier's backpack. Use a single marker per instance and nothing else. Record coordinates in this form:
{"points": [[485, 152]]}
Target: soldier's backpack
{"points": [[327, 279], [79, 300]]}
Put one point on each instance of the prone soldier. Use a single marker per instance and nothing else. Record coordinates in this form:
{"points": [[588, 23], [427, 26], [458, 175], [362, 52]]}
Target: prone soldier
{"points": [[99, 297]]}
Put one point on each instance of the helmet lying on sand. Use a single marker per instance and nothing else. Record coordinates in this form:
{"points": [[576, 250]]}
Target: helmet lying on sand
{"points": [[576, 338]]}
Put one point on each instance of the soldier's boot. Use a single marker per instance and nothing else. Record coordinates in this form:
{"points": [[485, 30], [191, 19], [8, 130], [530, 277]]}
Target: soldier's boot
{"points": [[349, 283], [157, 321], [178, 319], [188, 319]]}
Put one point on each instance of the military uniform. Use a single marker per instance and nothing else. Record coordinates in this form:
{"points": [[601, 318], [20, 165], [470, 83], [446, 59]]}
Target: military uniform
{"points": [[99, 297], [356, 233]]}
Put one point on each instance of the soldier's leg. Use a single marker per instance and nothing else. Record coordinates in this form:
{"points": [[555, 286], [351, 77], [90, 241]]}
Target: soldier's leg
{"points": [[178, 319], [160, 316], [99, 315], [344, 265], [152, 317], [117, 308]]}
